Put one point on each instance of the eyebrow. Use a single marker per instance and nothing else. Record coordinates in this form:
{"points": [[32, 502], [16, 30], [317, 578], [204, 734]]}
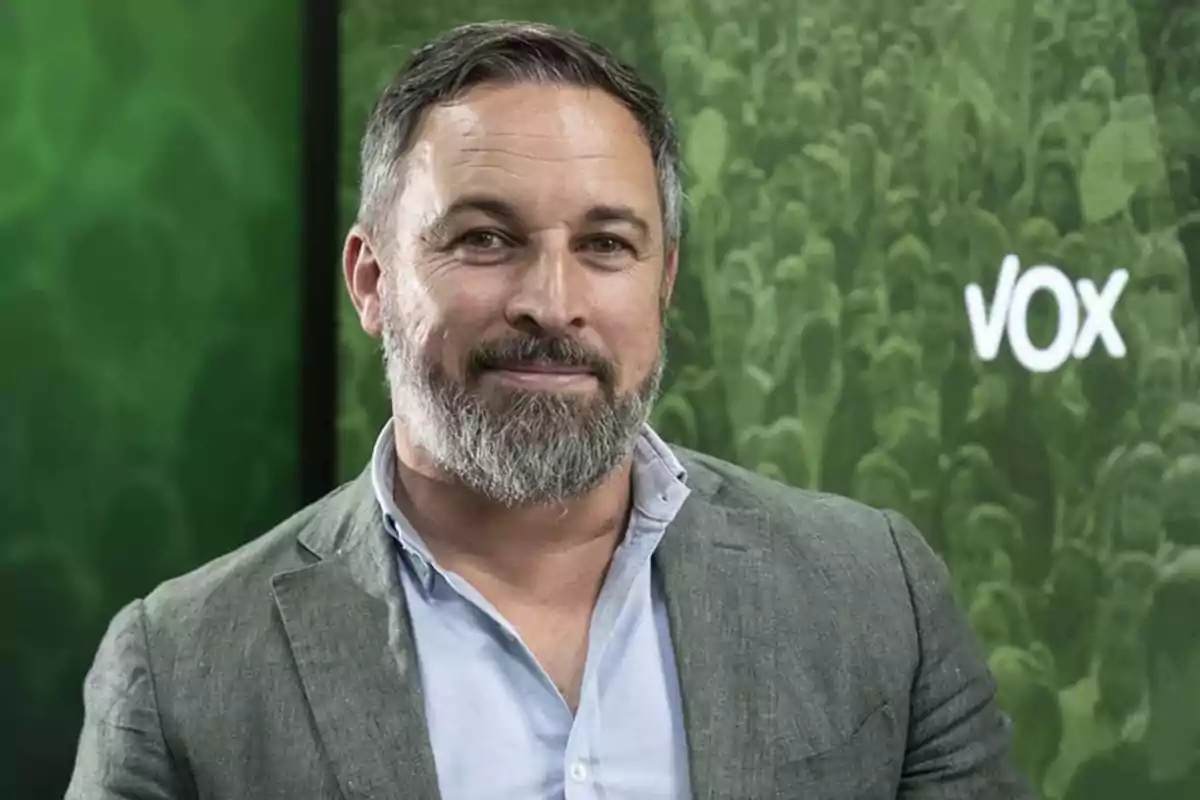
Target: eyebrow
{"points": [[490, 205], [504, 211], [598, 214]]}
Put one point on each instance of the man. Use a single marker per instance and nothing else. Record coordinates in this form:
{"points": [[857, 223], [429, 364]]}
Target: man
{"points": [[527, 594], [1165, 763]]}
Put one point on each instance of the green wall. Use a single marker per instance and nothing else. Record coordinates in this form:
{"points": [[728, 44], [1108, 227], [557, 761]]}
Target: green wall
{"points": [[149, 157], [854, 166]]}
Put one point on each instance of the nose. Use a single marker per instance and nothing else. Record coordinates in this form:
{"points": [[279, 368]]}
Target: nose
{"points": [[551, 294]]}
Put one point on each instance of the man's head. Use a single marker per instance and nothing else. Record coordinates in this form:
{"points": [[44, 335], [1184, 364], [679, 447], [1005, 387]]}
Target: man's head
{"points": [[515, 248]]}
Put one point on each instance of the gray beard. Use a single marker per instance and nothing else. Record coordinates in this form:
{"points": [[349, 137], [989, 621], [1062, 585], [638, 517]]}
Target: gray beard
{"points": [[513, 447]]}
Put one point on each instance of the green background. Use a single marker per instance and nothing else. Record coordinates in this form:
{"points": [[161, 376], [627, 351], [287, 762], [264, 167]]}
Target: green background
{"points": [[149, 255], [852, 166]]}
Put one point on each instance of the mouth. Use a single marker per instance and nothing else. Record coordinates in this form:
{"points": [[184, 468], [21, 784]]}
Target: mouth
{"points": [[552, 376]]}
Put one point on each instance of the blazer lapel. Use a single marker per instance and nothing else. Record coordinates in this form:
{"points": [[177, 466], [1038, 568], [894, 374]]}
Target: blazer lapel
{"points": [[347, 624], [751, 702]]}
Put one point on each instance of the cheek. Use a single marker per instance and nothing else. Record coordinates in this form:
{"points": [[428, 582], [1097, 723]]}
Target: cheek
{"points": [[635, 349], [455, 315], [629, 323]]}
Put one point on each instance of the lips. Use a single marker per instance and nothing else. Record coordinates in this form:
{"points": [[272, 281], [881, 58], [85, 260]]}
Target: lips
{"points": [[554, 377], [544, 369]]}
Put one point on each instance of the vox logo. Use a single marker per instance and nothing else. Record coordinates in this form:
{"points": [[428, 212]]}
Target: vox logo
{"points": [[1085, 316]]}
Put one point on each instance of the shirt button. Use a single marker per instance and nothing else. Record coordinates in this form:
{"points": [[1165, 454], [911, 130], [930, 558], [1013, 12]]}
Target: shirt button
{"points": [[579, 772]]}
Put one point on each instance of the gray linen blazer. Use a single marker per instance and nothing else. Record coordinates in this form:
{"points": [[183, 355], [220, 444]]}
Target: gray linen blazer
{"points": [[820, 656]]}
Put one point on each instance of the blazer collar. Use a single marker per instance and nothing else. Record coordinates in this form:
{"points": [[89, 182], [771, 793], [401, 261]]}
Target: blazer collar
{"points": [[349, 631], [711, 562], [346, 620]]}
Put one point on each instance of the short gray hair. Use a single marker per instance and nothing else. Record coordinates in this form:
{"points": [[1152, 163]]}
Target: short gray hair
{"points": [[508, 52]]}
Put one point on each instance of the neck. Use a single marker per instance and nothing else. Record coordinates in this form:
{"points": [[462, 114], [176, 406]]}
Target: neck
{"points": [[557, 553]]}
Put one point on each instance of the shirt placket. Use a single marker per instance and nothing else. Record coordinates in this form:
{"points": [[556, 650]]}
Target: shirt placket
{"points": [[581, 766]]}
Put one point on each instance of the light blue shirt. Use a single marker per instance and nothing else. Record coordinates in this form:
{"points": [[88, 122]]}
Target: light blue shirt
{"points": [[500, 729]]}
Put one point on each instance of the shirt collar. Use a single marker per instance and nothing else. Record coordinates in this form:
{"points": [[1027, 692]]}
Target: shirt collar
{"points": [[383, 480], [659, 490]]}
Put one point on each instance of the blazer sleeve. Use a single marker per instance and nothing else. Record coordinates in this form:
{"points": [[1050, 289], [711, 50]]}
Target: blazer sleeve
{"points": [[959, 742], [122, 753]]}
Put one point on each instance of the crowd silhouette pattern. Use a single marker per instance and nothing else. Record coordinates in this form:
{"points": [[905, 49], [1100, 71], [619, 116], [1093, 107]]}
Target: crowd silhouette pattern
{"points": [[852, 168]]}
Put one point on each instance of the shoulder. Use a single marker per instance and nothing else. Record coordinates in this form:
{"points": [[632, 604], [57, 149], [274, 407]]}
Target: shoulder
{"points": [[873, 561], [234, 590], [811, 521], [856, 582]]}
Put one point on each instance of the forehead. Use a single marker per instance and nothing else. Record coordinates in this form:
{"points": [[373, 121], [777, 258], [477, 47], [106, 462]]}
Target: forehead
{"points": [[549, 149]]}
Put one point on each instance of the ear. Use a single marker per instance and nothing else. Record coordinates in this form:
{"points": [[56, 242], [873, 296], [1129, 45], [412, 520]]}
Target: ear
{"points": [[670, 271], [362, 273]]}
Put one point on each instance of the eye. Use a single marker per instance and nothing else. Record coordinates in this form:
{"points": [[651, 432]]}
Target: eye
{"points": [[608, 245], [483, 239]]}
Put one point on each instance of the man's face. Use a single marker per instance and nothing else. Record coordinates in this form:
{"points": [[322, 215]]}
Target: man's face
{"points": [[524, 275]]}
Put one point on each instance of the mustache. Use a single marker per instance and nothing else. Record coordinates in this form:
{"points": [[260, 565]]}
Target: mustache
{"points": [[535, 351]]}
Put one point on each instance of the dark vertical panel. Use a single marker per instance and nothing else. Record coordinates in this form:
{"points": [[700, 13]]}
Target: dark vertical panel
{"points": [[318, 335]]}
